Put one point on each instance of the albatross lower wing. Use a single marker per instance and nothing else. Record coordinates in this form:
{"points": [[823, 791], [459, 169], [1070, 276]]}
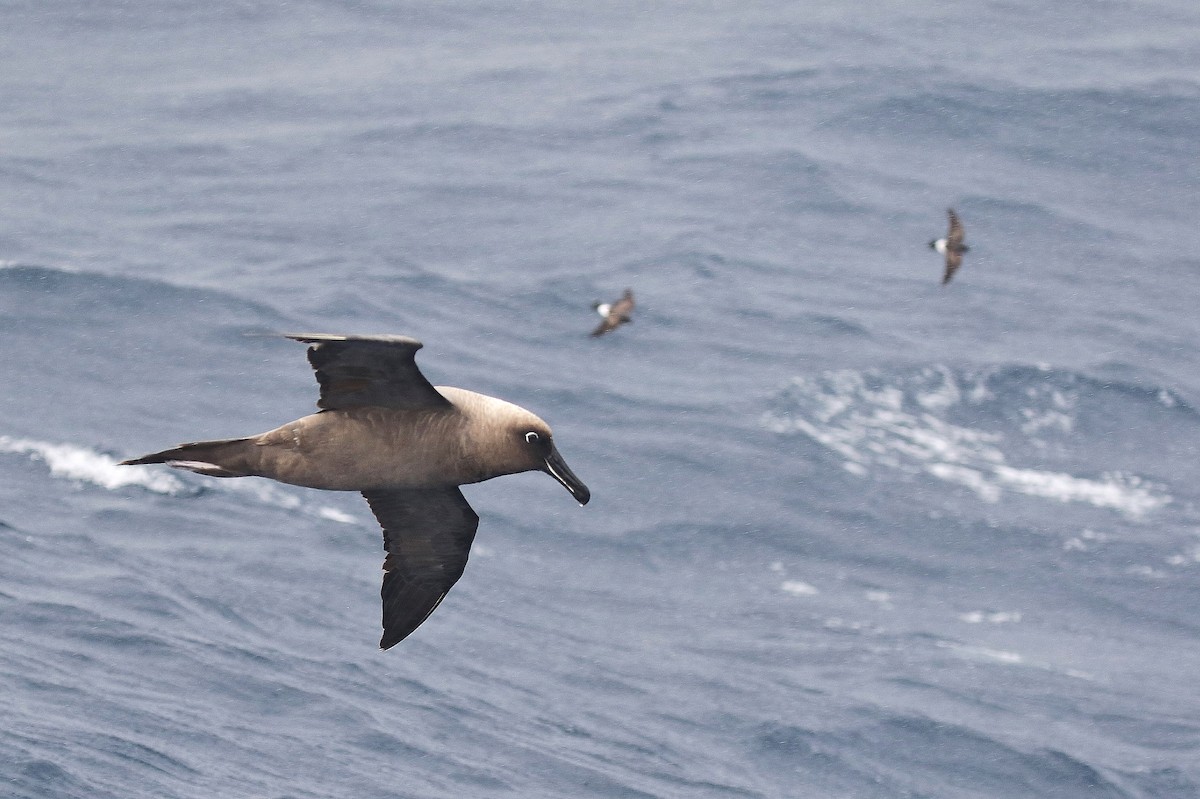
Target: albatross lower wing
{"points": [[380, 371], [427, 534]]}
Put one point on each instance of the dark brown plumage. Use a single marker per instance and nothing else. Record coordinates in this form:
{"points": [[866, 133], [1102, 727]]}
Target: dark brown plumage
{"points": [[615, 314], [384, 430], [952, 246]]}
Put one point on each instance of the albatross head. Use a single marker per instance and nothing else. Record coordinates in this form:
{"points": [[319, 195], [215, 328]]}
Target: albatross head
{"points": [[537, 446], [508, 439]]}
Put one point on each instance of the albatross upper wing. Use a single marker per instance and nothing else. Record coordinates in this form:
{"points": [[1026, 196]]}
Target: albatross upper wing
{"points": [[354, 371], [427, 534]]}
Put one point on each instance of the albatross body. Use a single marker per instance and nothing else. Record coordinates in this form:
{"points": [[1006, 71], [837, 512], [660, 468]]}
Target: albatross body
{"points": [[407, 446]]}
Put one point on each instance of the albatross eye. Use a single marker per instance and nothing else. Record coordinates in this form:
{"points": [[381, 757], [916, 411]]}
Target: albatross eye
{"points": [[532, 437]]}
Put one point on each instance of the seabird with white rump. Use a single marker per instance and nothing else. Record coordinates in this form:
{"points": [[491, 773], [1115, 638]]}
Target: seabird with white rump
{"points": [[407, 445], [615, 313], [952, 246]]}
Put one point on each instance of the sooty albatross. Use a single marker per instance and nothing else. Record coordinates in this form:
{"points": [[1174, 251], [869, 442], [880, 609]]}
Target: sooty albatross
{"points": [[384, 430]]}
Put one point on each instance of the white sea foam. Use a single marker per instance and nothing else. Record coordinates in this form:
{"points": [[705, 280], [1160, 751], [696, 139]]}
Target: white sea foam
{"points": [[335, 515], [986, 653], [276, 495], [991, 617], [971, 478], [798, 588], [1114, 490], [1009, 658], [941, 396], [262, 490], [84, 465], [881, 598], [902, 423]]}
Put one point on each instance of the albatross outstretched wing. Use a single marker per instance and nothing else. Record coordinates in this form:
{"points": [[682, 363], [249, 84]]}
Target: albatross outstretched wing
{"points": [[355, 371], [427, 534]]}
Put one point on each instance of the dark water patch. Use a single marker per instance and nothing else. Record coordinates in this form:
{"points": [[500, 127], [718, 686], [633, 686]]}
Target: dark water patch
{"points": [[165, 17], [919, 747], [114, 636], [771, 88], [1040, 125], [836, 326], [1163, 782], [804, 756], [33, 171], [37, 778], [788, 179], [385, 743], [138, 755], [1158, 735], [453, 135], [178, 160], [68, 298]]}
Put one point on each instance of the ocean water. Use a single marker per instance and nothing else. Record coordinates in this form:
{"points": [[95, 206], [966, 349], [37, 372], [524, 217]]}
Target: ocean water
{"points": [[853, 534]]}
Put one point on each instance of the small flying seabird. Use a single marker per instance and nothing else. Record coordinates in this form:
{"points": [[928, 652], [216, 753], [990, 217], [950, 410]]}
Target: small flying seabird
{"points": [[615, 314], [952, 246], [384, 430]]}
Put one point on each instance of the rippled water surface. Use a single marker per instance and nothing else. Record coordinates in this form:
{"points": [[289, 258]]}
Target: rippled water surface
{"points": [[853, 534]]}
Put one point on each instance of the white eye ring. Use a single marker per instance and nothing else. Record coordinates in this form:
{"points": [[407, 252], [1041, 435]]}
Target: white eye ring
{"points": [[532, 437]]}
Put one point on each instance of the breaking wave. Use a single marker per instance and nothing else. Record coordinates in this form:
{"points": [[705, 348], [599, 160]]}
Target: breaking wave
{"points": [[87, 466], [83, 465], [994, 431]]}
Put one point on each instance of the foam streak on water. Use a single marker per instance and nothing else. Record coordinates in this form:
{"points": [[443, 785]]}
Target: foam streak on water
{"points": [[902, 422], [83, 465]]}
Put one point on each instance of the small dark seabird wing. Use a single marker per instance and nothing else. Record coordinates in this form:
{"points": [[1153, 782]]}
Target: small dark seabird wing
{"points": [[427, 534], [376, 371], [955, 246], [954, 236], [603, 327], [953, 262]]}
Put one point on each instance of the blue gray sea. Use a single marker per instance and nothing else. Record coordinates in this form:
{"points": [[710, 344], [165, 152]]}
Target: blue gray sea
{"points": [[853, 534]]}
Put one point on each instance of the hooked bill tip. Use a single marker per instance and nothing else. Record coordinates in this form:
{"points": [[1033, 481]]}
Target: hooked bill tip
{"points": [[557, 468]]}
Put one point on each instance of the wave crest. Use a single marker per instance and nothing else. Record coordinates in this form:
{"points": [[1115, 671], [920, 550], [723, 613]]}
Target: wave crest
{"points": [[965, 427], [88, 466]]}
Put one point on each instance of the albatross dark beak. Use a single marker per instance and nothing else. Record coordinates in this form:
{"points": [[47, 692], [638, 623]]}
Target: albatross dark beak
{"points": [[557, 468]]}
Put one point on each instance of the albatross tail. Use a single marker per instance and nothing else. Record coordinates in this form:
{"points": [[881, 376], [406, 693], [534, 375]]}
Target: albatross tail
{"points": [[228, 457]]}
